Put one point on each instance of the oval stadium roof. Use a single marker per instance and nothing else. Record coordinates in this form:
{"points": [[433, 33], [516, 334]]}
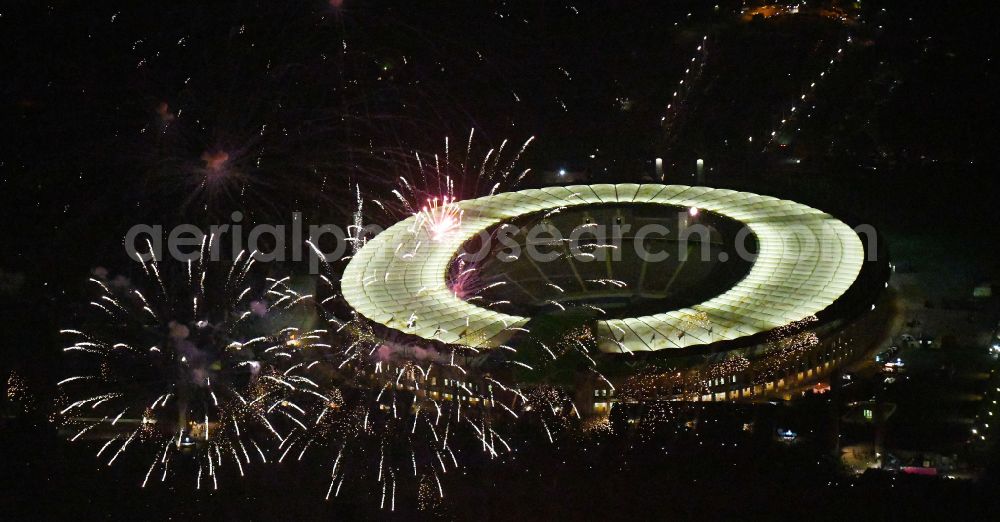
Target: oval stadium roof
{"points": [[806, 259]]}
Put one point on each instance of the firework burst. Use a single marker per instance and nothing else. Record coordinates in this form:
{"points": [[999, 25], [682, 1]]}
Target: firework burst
{"points": [[440, 218], [191, 366], [434, 182]]}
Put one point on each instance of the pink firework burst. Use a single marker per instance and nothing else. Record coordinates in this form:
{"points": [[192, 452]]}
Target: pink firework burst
{"points": [[440, 217]]}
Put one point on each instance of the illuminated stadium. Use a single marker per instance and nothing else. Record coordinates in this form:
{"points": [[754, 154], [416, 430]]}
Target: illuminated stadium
{"points": [[721, 294]]}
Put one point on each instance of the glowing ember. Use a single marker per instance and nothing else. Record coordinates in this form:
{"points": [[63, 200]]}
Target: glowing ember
{"points": [[214, 160]]}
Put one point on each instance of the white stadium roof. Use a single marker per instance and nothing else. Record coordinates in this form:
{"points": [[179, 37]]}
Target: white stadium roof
{"points": [[806, 259]]}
